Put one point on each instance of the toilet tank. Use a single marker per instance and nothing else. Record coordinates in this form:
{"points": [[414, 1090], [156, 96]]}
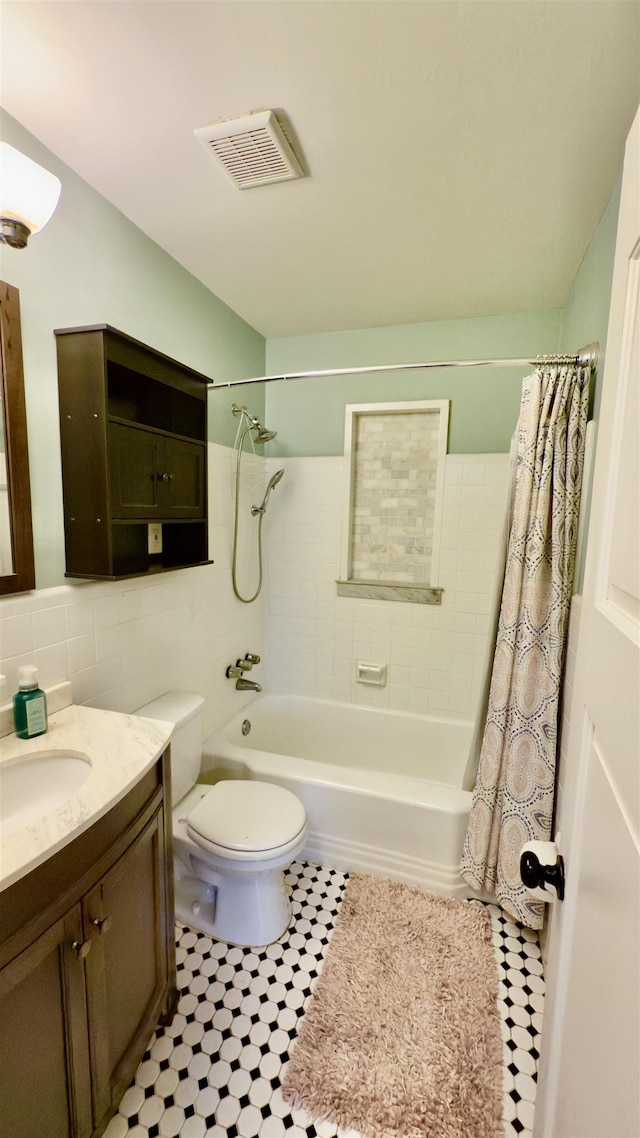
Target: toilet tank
{"points": [[184, 710]]}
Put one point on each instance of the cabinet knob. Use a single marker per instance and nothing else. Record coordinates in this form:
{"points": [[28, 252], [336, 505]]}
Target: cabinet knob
{"points": [[166, 477], [102, 924], [82, 948]]}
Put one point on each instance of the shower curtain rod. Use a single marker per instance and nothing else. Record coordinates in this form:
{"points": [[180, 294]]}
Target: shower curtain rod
{"points": [[586, 357]]}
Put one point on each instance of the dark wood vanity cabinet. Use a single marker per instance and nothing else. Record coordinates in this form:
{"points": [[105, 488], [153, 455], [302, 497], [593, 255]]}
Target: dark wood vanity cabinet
{"points": [[87, 969], [127, 967], [44, 1048], [133, 432]]}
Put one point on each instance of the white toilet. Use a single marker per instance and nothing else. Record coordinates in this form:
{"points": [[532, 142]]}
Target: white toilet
{"points": [[231, 842]]}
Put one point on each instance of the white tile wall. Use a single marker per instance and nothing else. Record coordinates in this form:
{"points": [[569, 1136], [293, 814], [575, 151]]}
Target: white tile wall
{"points": [[434, 654], [123, 643]]}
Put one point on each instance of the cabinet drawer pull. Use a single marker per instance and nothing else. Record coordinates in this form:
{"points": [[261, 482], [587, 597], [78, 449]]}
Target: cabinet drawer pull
{"points": [[82, 947], [102, 924]]}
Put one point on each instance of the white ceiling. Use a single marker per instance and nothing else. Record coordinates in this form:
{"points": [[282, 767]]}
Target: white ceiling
{"points": [[459, 154]]}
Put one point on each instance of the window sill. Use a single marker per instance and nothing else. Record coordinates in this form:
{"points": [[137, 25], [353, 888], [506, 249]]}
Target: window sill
{"points": [[390, 591]]}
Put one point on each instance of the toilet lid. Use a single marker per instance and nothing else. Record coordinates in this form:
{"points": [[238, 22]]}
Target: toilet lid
{"points": [[247, 816]]}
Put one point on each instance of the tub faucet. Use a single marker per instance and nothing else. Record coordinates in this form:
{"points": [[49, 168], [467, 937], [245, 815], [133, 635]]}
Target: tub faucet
{"points": [[236, 672], [247, 685]]}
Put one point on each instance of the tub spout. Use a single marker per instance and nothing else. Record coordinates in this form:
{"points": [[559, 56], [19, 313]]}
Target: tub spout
{"points": [[247, 685]]}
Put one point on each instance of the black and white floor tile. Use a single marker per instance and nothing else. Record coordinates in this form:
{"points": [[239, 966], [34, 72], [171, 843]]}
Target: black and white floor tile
{"points": [[215, 1072], [521, 1006]]}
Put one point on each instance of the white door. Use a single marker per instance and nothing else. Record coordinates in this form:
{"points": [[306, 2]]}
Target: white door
{"points": [[590, 1063]]}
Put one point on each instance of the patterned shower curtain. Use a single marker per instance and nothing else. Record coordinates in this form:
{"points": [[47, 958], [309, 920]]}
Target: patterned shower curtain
{"points": [[514, 791]]}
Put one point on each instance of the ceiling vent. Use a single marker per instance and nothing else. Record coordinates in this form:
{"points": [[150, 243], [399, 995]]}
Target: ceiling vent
{"points": [[253, 149]]}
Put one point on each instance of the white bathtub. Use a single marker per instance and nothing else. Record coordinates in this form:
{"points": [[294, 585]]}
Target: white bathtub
{"points": [[382, 789]]}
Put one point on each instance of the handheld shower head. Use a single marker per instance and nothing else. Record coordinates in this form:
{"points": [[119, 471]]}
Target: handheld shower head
{"points": [[275, 478], [273, 481], [249, 423]]}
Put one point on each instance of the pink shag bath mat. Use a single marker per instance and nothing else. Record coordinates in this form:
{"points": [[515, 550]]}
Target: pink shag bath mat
{"points": [[402, 1036]]}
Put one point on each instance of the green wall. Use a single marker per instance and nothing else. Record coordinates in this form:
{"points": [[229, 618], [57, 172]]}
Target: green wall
{"points": [[309, 413], [91, 265], [586, 317], [586, 313]]}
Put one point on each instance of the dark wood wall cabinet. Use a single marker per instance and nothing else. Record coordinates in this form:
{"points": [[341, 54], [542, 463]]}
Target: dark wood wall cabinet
{"points": [[133, 431], [87, 969]]}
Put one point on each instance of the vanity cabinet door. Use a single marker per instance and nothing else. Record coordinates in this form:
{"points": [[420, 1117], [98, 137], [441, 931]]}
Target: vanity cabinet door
{"points": [[127, 969], [45, 1089]]}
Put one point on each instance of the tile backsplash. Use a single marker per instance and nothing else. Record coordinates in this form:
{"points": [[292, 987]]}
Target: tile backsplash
{"points": [[123, 643], [434, 654]]}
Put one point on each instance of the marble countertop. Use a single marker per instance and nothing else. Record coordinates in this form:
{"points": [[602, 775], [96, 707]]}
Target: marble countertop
{"points": [[120, 748]]}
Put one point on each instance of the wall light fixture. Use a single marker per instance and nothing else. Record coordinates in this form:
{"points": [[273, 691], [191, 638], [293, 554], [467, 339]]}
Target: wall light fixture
{"points": [[28, 196]]}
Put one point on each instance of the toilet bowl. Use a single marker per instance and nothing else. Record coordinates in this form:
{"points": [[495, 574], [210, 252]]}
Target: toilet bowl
{"points": [[231, 842]]}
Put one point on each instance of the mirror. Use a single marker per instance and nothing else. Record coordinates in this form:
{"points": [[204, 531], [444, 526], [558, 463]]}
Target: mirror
{"points": [[17, 572]]}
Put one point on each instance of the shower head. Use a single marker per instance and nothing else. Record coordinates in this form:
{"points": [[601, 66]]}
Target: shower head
{"points": [[263, 435], [273, 481]]}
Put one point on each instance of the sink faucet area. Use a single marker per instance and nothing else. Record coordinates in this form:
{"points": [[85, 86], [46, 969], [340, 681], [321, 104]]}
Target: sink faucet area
{"points": [[54, 787]]}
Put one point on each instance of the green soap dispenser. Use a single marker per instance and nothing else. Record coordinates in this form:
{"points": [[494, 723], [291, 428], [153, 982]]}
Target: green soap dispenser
{"points": [[29, 704]]}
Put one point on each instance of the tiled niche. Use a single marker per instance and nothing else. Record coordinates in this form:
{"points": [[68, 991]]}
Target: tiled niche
{"points": [[392, 500]]}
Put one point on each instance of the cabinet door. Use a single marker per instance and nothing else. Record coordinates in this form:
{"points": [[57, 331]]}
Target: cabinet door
{"points": [[45, 1087], [127, 968], [135, 460], [154, 476], [182, 479]]}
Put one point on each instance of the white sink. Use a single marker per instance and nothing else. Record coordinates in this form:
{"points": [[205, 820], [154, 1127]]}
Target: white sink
{"points": [[32, 786]]}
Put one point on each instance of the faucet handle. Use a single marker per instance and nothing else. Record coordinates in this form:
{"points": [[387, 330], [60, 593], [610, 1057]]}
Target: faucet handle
{"points": [[232, 673], [244, 665], [251, 658]]}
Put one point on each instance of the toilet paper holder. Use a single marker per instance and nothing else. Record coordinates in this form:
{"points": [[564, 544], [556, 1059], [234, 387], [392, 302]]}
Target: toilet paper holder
{"points": [[542, 870]]}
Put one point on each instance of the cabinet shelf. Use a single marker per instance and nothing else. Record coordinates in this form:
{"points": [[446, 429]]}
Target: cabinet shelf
{"points": [[145, 400], [133, 429], [116, 419], [182, 541]]}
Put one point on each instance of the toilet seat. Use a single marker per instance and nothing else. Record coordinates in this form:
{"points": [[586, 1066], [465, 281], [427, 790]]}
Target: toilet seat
{"points": [[243, 820]]}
